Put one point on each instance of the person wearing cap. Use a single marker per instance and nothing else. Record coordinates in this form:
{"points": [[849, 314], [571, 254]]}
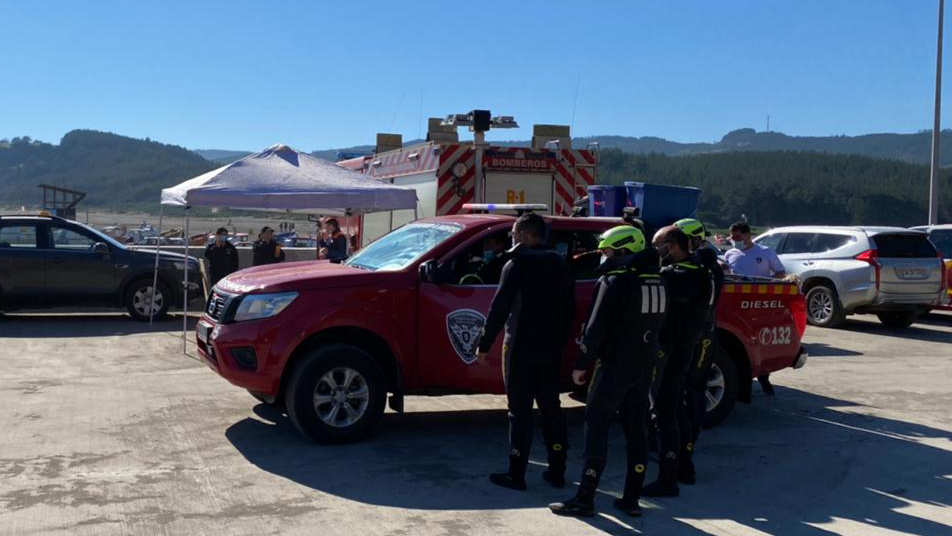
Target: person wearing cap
{"points": [[620, 338], [695, 394], [266, 249], [334, 243], [691, 292], [221, 255], [535, 304]]}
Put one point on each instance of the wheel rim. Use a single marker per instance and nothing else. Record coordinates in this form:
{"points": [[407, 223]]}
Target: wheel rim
{"points": [[341, 397], [143, 303], [821, 306], [715, 388]]}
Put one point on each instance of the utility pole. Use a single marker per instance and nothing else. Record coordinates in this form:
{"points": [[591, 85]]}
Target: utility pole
{"points": [[936, 129]]}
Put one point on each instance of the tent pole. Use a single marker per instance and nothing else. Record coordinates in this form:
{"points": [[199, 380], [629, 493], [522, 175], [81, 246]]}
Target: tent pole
{"points": [[185, 289], [155, 271]]}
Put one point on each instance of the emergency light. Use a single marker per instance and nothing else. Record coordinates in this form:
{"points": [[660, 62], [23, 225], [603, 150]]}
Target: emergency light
{"points": [[518, 208]]}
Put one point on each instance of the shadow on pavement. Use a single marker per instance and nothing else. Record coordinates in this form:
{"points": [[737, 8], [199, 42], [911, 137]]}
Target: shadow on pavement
{"points": [[793, 464], [819, 349], [55, 325], [916, 331]]}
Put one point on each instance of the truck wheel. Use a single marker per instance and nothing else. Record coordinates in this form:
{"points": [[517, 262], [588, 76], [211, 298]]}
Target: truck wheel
{"points": [[721, 393], [138, 300], [898, 319], [823, 307], [336, 394]]}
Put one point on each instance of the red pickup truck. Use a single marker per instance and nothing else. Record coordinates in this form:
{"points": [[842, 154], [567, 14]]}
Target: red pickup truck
{"points": [[331, 341]]}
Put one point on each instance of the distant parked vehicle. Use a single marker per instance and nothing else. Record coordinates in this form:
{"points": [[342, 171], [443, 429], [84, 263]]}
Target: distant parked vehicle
{"points": [[47, 261], [941, 237], [891, 272]]}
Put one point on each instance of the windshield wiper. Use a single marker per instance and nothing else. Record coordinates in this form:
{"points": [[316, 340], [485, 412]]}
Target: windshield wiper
{"points": [[360, 266]]}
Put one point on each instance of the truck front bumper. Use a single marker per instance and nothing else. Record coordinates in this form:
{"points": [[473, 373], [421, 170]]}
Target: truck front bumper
{"points": [[801, 359]]}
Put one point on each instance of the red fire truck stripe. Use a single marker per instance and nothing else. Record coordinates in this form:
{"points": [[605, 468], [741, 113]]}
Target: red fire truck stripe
{"points": [[588, 156]]}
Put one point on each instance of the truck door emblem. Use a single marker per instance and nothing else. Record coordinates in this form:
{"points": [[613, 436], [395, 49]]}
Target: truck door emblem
{"points": [[464, 328]]}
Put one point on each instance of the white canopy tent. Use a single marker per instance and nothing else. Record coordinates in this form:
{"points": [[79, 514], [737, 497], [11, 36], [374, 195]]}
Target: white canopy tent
{"points": [[281, 178]]}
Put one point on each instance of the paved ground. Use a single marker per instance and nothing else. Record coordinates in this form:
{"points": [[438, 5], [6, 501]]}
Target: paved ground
{"points": [[108, 429]]}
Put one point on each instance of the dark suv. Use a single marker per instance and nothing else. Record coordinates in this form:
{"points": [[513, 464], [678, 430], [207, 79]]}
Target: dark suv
{"points": [[46, 261]]}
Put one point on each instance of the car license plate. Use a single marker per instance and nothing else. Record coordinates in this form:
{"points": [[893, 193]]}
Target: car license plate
{"points": [[202, 331], [911, 273]]}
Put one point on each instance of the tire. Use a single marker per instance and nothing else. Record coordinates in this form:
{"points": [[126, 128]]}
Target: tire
{"points": [[898, 319], [362, 386], [823, 307], [137, 296], [722, 387]]}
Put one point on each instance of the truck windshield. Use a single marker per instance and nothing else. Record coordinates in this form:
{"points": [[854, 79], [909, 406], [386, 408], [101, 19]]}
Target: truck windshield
{"points": [[400, 248]]}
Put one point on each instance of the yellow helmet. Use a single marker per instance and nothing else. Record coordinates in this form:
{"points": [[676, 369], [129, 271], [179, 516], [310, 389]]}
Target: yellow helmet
{"points": [[691, 227], [622, 237]]}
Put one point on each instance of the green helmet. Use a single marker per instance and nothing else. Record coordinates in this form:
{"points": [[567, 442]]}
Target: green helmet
{"points": [[691, 227], [622, 237]]}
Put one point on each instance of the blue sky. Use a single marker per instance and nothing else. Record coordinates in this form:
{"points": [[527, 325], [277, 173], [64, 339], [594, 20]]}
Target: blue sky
{"points": [[244, 75]]}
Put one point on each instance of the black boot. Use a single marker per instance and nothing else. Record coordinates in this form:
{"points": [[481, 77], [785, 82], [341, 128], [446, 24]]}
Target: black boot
{"points": [[665, 486], [515, 478], [583, 503], [555, 473], [634, 478], [686, 473]]}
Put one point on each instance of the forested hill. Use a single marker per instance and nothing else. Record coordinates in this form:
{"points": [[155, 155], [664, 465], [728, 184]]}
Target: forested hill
{"points": [[114, 170], [771, 188], [790, 188]]}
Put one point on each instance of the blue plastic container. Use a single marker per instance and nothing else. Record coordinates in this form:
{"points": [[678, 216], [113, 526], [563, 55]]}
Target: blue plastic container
{"points": [[660, 204], [607, 201]]}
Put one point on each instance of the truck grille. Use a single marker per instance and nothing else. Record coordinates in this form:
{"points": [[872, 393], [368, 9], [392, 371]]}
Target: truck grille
{"points": [[216, 306]]}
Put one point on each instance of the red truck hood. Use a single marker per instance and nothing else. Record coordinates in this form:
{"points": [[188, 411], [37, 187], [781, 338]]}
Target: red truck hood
{"points": [[302, 275]]}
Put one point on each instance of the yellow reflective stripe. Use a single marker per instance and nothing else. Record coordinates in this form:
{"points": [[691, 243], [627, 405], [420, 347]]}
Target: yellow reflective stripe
{"points": [[746, 289], [688, 265], [650, 276]]}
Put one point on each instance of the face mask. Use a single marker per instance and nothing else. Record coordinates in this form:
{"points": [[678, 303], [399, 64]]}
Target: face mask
{"points": [[663, 251], [488, 255], [740, 244], [603, 259]]}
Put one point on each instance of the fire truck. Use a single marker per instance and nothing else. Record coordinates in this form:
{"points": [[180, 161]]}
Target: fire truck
{"points": [[447, 173]]}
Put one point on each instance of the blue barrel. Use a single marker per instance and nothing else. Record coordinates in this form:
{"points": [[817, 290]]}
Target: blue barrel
{"points": [[660, 204], [607, 201]]}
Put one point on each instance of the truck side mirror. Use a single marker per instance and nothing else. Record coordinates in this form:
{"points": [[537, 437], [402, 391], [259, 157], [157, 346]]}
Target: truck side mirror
{"points": [[428, 271], [101, 249]]}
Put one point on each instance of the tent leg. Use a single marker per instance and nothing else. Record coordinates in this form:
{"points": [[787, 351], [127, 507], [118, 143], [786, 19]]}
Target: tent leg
{"points": [[185, 289], [155, 272]]}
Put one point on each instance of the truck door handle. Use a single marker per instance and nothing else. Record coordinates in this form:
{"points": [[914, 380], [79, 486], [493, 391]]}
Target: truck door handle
{"points": [[56, 261], [808, 263]]}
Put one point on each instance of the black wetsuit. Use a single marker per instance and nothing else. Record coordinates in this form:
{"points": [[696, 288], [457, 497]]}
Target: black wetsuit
{"points": [[622, 336], [535, 302], [700, 368], [691, 290]]}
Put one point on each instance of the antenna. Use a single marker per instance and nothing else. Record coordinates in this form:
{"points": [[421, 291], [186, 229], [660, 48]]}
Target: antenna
{"points": [[768, 122], [395, 112]]}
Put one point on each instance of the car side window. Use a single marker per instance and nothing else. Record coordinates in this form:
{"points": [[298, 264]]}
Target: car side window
{"points": [[829, 242], [771, 241], [799, 243], [580, 250], [18, 236], [63, 238]]}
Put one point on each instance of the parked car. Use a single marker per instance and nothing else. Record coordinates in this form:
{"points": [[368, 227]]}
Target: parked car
{"points": [[332, 340], [47, 261], [941, 237], [891, 272]]}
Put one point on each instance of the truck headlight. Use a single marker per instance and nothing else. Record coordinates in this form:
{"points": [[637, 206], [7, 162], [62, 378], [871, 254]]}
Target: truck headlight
{"points": [[256, 306]]}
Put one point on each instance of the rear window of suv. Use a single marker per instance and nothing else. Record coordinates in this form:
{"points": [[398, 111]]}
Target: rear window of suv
{"points": [[942, 238], [904, 246]]}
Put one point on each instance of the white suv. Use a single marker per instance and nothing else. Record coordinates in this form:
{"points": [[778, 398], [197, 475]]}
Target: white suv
{"points": [[891, 272]]}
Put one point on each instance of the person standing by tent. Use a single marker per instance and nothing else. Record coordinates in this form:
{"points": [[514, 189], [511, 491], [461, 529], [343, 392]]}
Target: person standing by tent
{"points": [[222, 257], [334, 244], [266, 250]]}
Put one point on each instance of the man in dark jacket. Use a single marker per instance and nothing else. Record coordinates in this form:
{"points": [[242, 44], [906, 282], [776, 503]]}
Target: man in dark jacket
{"points": [[334, 243], [221, 255], [695, 394], [266, 250], [535, 302], [691, 291], [621, 338]]}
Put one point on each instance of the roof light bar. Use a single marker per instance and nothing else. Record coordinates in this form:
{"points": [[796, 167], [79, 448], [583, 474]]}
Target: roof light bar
{"points": [[511, 207]]}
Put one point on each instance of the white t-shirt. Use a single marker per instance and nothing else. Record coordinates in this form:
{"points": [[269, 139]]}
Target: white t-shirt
{"points": [[756, 261]]}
